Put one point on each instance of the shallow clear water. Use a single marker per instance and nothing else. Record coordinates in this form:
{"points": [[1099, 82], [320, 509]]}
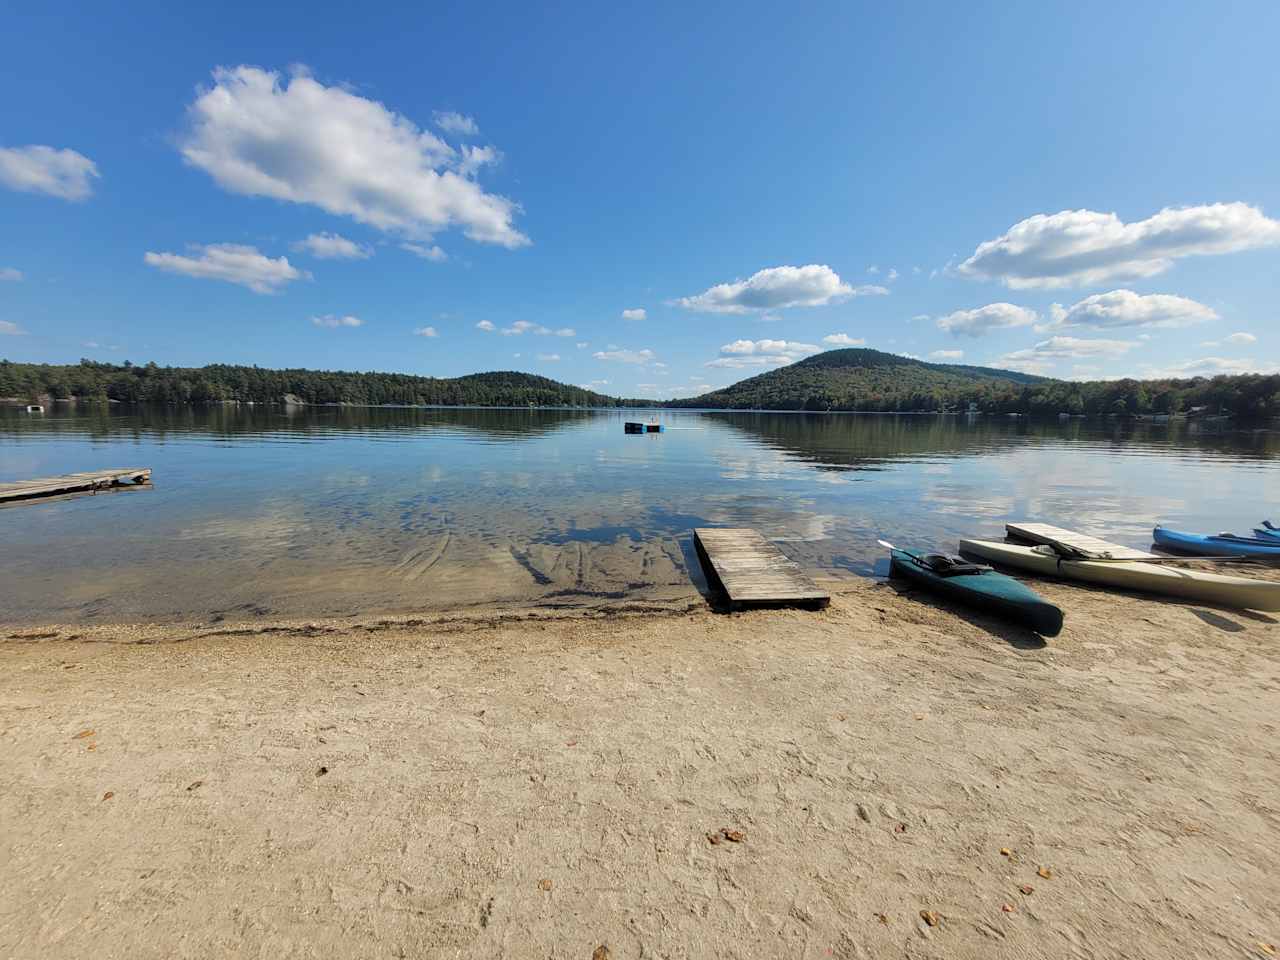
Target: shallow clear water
{"points": [[317, 512]]}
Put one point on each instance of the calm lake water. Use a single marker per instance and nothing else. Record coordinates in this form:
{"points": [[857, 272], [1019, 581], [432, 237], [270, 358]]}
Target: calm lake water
{"points": [[271, 512]]}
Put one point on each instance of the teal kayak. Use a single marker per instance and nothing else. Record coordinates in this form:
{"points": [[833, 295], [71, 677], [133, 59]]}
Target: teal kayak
{"points": [[979, 587], [1220, 545]]}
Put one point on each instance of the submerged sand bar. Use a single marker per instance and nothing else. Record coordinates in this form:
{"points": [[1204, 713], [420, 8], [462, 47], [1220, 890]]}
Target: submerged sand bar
{"points": [[537, 786]]}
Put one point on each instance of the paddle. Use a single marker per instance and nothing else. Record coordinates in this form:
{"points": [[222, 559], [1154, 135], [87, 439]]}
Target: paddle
{"points": [[1047, 550], [886, 544]]}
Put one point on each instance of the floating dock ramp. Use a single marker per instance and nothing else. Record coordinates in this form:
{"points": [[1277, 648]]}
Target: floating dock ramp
{"points": [[1079, 544], [90, 482], [753, 571]]}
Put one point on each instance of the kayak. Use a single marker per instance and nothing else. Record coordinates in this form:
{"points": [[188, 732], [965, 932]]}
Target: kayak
{"points": [[1221, 545], [1200, 586], [979, 587]]}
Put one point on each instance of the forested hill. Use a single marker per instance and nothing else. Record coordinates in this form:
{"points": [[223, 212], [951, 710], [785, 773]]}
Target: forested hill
{"points": [[90, 380], [874, 381], [865, 358]]}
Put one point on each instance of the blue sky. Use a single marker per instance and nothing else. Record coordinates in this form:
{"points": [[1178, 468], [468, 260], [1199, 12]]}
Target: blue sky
{"points": [[652, 200]]}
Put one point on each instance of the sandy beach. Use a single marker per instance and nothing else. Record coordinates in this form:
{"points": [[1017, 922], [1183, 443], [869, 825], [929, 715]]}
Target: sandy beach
{"points": [[885, 778]]}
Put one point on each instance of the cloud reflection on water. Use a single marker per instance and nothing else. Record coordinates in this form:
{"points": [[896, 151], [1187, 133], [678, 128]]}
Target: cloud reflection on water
{"points": [[342, 510]]}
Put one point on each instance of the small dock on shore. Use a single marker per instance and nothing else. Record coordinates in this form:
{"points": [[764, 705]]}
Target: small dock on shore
{"points": [[90, 482], [752, 571], [1072, 543]]}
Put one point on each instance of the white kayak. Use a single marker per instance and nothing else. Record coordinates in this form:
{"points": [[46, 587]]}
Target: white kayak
{"points": [[1200, 586]]}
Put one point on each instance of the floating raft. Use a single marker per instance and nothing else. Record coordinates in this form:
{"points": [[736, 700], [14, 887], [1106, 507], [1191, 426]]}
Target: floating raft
{"points": [[72, 483], [752, 570], [1073, 542]]}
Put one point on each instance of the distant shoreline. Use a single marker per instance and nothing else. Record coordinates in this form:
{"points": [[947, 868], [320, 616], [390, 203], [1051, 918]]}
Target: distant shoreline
{"points": [[663, 406]]}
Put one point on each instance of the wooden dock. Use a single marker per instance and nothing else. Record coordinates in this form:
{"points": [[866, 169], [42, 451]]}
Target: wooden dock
{"points": [[90, 482], [1072, 541], [753, 571]]}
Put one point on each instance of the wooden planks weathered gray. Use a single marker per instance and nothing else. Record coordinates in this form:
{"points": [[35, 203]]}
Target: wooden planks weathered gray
{"points": [[1057, 536], [752, 570], [72, 483]]}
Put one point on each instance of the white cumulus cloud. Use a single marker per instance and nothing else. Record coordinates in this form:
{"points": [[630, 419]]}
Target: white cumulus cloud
{"points": [[10, 329], [1208, 367], [525, 326], [638, 313], [65, 174], [232, 262], [426, 332], [1081, 247], [1236, 339], [486, 325], [548, 357], [1124, 308], [10, 273], [761, 353], [843, 340], [625, 356], [982, 320], [432, 253], [774, 288], [457, 123], [1038, 358], [332, 246], [295, 139], [333, 321], [947, 355]]}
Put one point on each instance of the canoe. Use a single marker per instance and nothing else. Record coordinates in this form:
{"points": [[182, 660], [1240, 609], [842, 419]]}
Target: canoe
{"points": [[1221, 545], [1199, 586], [981, 588]]}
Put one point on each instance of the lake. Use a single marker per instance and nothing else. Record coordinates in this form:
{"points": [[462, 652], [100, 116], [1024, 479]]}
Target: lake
{"points": [[314, 512]]}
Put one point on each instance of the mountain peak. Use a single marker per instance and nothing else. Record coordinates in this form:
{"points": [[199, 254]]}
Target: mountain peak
{"points": [[859, 378]]}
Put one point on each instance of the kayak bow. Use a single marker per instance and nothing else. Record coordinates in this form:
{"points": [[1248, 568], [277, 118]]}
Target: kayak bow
{"points": [[1257, 548], [979, 587], [1197, 586]]}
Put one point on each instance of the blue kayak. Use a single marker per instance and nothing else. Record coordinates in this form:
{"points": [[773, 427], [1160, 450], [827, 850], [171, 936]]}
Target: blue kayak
{"points": [[978, 586], [1218, 545]]}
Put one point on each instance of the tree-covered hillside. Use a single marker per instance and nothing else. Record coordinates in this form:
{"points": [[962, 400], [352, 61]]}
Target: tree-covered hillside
{"points": [[90, 380], [873, 381]]}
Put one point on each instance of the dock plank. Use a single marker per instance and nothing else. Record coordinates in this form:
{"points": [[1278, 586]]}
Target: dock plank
{"points": [[84, 482], [1058, 536], [752, 570]]}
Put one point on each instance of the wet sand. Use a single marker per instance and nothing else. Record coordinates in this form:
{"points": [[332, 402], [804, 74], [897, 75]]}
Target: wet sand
{"points": [[895, 779]]}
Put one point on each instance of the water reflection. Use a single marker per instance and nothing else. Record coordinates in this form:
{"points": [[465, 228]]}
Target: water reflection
{"points": [[104, 421], [323, 511]]}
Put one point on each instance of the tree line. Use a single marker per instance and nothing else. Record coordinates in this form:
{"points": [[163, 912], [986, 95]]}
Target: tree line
{"points": [[907, 387], [219, 383]]}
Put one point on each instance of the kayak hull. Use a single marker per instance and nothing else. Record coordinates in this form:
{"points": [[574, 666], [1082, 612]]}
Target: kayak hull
{"points": [[1216, 546], [992, 592], [1197, 586]]}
